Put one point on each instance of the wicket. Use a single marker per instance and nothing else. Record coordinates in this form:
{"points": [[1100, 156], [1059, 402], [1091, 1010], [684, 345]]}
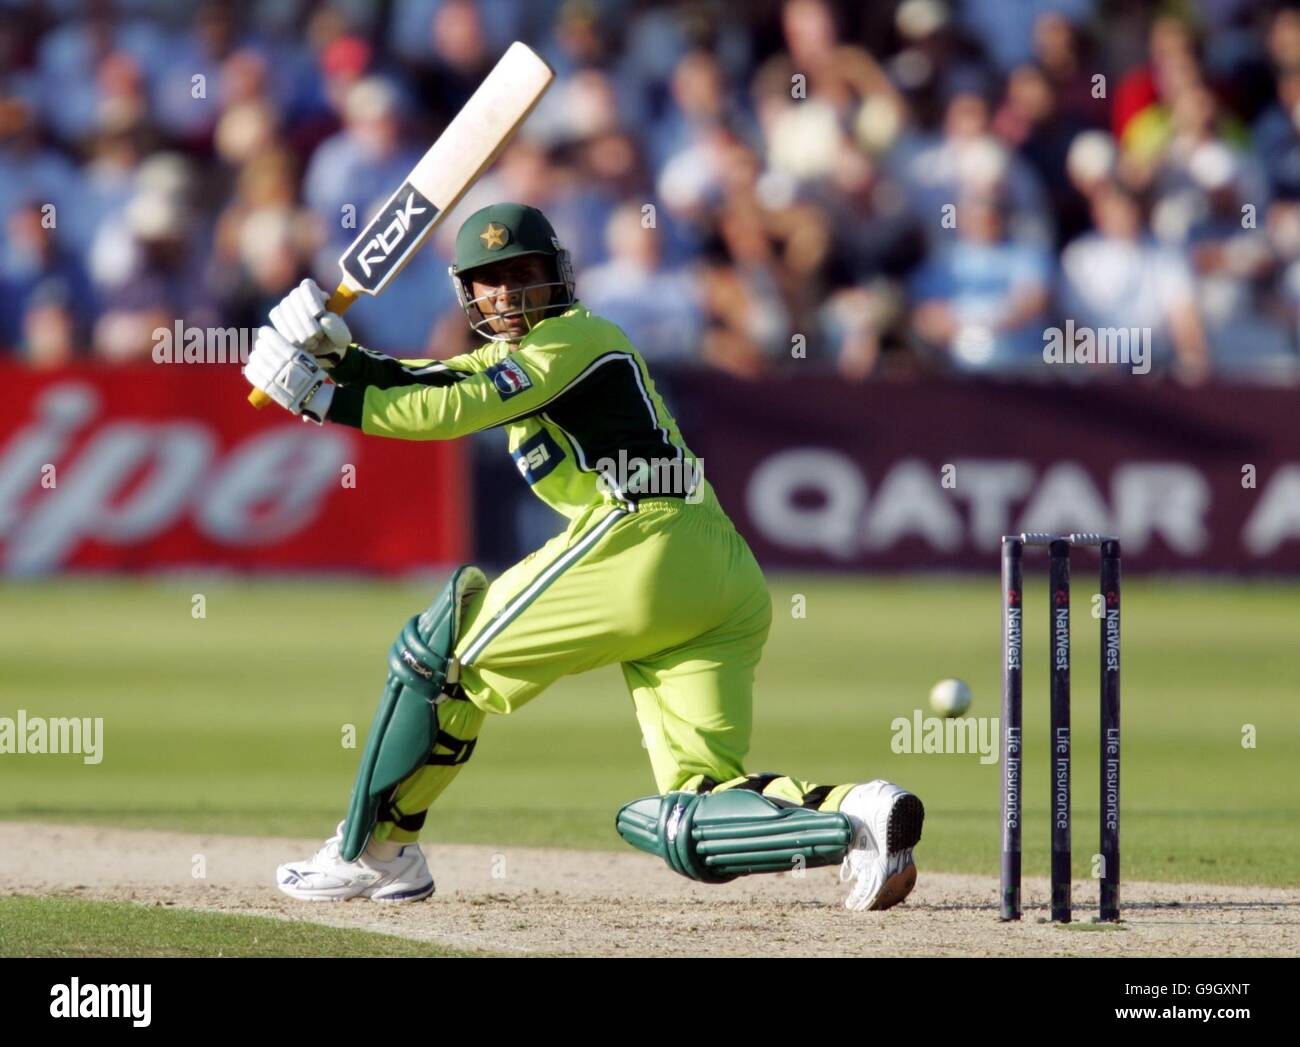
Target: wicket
{"points": [[1059, 547]]}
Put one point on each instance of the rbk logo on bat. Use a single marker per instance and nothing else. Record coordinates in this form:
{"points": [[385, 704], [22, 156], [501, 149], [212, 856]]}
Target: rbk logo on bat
{"points": [[390, 236]]}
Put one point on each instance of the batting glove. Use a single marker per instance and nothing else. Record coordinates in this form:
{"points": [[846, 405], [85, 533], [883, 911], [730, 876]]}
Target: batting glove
{"points": [[301, 318], [288, 375]]}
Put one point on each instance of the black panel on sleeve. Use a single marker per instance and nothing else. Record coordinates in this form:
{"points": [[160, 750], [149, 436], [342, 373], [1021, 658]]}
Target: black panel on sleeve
{"points": [[347, 405], [387, 372]]}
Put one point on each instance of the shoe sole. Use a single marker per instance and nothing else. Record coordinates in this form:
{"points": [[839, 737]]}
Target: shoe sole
{"points": [[906, 819], [417, 894], [896, 888]]}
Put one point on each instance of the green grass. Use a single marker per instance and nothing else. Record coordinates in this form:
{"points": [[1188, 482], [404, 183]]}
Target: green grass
{"points": [[233, 723], [46, 927]]}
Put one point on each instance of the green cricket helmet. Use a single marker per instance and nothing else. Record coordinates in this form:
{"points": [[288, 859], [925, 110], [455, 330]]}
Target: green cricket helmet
{"points": [[503, 231]]}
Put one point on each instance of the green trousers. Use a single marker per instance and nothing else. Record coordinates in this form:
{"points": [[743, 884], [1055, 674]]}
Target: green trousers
{"points": [[673, 594]]}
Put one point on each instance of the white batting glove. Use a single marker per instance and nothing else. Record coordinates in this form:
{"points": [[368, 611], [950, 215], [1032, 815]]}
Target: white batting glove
{"points": [[290, 376], [301, 318]]}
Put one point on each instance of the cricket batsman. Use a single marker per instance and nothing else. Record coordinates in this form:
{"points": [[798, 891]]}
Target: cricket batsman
{"points": [[649, 573]]}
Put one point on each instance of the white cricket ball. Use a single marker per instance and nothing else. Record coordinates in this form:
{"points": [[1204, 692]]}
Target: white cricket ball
{"points": [[950, 697]]}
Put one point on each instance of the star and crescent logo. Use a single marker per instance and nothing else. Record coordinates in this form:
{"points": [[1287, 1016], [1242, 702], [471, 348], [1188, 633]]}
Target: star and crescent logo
{"points": [[495, 236]]}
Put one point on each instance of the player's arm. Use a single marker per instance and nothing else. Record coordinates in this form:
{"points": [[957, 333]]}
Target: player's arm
{"points": [[518, 384], [361, 367]]}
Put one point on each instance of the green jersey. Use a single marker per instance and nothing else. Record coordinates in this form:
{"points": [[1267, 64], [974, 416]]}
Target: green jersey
{"points": [[584, 421]]}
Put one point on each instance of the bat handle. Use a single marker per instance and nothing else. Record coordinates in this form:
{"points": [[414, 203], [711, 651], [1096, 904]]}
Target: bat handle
{"points": [[338, 304]]}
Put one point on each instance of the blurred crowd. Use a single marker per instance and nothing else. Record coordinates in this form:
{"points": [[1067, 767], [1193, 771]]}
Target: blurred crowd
{"points": [[878, 189]]}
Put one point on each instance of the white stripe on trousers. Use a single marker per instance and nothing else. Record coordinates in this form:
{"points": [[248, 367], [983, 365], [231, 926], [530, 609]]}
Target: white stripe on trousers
{"points": [[507, 614]]}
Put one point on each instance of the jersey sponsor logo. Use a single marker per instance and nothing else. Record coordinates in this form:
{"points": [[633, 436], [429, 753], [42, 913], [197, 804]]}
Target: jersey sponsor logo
{"points": [[537, 456], [375, 255], [509, 378]]}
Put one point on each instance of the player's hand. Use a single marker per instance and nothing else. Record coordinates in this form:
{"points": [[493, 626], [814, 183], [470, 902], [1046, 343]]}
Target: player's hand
{"points": [[290, 376], [301, 318]]}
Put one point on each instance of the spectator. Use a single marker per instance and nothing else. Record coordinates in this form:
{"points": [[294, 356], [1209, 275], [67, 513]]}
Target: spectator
{"points": [[936, 56], [966, 160], [344, 61], [813, 91], [1277, 137], [46, 303], [355, 171], [457, 60], [160, 282], [873, 231], [50, 336], [983, 302], [746, 325], [70, 63], [876, 242], [1117, 277], [411, 31], [105, 186], [17, 78], [658, 309], [186, 113], [1007, 31], [1029, 121], [28, 169], [1070, 70], [264, 240], [1232, 266]]}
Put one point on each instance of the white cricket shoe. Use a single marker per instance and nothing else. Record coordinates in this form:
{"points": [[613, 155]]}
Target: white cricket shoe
{"points": [[326, 877], [887, 825]]}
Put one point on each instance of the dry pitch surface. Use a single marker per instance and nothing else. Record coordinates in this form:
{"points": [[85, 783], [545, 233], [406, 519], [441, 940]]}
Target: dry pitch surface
{"points": [[522, 900]]}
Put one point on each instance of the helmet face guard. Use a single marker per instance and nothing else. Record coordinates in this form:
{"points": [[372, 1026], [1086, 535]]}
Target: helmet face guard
{"points": [[480, 312]]}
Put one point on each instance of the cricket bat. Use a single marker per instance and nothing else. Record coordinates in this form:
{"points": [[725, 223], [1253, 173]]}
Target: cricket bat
{"points": [[453, 163]]}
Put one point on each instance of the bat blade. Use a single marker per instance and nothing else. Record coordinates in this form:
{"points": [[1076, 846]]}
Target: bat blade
{"points": [[460, 156], [453, 163]]}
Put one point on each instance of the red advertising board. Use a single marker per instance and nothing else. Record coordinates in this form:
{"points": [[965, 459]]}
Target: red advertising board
{"points": [[168, 466]]}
